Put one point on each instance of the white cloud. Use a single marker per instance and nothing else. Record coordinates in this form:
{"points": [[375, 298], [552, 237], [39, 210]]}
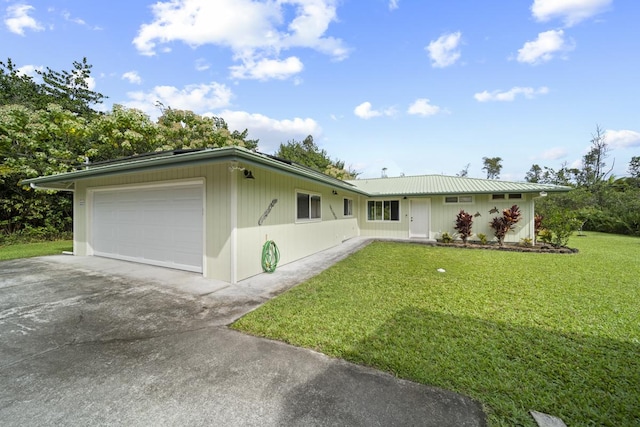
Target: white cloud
{"points": [[622, 138], [393, 4], [271, 132], [67, 17], [511, 94], [30, 70], [544, 47], [554, 154], [570, 11], [422, 107], [197, 98], [202, 64], [265, 69], [256, 32], [18, 19], [444, 51], [91, 83], [132, 77], [365, 111], [79, 21]]}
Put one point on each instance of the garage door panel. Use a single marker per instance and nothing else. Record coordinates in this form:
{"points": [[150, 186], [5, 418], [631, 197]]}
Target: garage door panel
{"points": [[160, 226]]}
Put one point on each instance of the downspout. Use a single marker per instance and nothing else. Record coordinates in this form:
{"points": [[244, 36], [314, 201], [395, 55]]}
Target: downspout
{"points": [[233, 222]]}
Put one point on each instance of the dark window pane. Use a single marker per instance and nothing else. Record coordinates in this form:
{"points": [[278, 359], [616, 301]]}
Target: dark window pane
{"points": [[378, 211], [316, 210], [395, 210], [303, 206]]}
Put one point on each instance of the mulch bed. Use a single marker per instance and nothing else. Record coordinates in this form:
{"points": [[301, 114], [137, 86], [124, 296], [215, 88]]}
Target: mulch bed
{"points": [[540, 248]]}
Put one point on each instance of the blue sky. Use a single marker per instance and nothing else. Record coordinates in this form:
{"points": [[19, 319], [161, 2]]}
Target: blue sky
{"points": [[413, 86]]}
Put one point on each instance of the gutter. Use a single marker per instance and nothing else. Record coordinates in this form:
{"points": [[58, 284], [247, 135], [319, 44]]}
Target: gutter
{"points": [[186, 159], [42, 187]]}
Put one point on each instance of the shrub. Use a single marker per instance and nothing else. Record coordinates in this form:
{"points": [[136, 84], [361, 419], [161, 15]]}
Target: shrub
{"points": [[464, 221], [503, 224], [446, 237], [527, 242], [483, 238], [34, 234], [545, 236], [559, 225]]}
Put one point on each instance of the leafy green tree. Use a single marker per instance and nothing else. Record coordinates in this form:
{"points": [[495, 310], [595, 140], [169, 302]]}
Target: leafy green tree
{"points": [[119, 133], [634, 167], [598, 201], [70, 89], [558, 225], [464, 172], [594, 162], [34, 143], [307, 153], [181, 129], [19, 89], [493, 166], [534, 174]]}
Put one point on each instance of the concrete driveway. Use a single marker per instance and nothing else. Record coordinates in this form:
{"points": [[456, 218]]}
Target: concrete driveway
{"points": [[87, 341]]}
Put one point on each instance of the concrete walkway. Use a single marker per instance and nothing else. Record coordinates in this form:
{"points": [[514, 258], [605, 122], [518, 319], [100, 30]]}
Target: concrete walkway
{"points": [[93, 341]]}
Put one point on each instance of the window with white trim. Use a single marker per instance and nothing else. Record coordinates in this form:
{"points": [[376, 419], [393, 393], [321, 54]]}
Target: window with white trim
{"points": [[308, 206], [348, 207], [505, 196], [383, 210], [458, 199]]}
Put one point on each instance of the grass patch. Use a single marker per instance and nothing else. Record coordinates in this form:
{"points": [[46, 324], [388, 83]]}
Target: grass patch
{"points": [[28, 250], [517, 331]]}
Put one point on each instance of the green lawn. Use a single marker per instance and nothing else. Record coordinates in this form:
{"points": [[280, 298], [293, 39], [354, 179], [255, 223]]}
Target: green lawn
{"points": [[27, 250], [517, 331]]}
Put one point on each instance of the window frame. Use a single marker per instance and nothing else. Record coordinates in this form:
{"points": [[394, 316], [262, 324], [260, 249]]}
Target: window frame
{"points": [[311, 208], [468, 199], [507, 196], [347, 207], [380, 212]]}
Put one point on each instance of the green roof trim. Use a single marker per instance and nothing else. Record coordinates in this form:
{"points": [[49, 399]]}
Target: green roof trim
{"points": [[424, 185], [431, 185], [65, 181]]}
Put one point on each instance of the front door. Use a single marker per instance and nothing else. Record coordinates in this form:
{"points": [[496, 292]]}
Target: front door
{"points": [[420, 218]]}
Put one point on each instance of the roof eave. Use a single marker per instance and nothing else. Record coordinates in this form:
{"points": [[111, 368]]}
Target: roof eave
{"points": [[61, 181]]}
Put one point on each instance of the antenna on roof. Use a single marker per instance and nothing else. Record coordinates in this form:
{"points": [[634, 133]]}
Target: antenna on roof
{"points": [[384, 172]]}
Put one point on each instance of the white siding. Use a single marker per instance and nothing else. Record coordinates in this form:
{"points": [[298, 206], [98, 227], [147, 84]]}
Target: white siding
{"points": [[385, 229], [443, 216], [245, 237], [216, 180], [295, 240]]}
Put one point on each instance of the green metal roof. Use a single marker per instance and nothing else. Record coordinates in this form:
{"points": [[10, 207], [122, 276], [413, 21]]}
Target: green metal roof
{"points": [[65, 181], [400, 186], [441, 185]]}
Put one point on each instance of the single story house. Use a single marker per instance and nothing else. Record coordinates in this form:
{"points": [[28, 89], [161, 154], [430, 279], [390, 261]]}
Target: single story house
{"points": [[212, 210]]}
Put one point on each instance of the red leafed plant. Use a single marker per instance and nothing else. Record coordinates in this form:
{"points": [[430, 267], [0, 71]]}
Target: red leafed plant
{"points": [[503, 224], [464, 221]]}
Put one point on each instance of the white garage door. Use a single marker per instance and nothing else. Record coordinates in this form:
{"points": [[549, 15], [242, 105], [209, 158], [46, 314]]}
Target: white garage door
{"points": [[160, 225]]}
